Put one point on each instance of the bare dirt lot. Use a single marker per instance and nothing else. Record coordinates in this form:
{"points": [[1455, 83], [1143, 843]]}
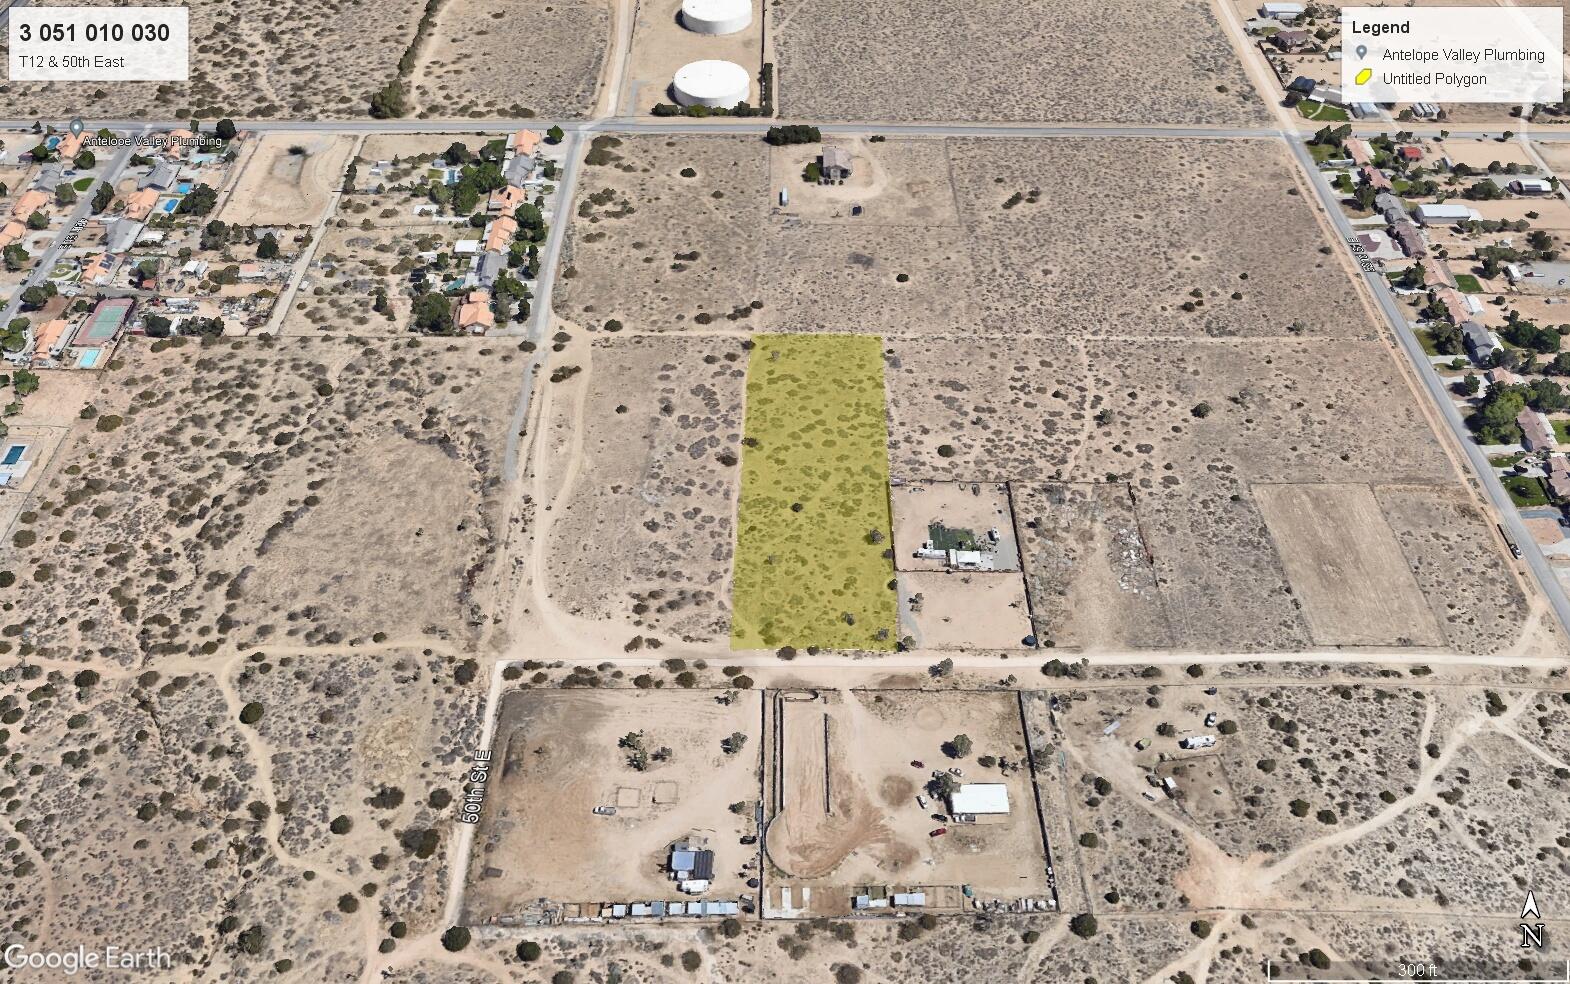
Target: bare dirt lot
{"points": [[645, 530], [287, 179], [1345, 565], [1227, 368], [558, 754], [963, 610], [250, 59], [159, 533], [663, 251], [1090, 580], [844, 796], [1067, 62], [350, 265], [504, 57]]}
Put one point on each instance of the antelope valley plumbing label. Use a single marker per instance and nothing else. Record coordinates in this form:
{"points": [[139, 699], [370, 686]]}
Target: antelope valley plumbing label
{"points": [[1452, 54]]}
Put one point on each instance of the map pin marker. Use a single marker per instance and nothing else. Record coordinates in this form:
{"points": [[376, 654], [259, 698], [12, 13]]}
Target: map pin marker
{"points": [[1362, 51], [77, 127]]}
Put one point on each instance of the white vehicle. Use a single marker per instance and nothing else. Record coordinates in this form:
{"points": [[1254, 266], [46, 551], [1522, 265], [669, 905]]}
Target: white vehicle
{"points": [[1198, 741], [1210, 719], [605, 811], [921, 801]]}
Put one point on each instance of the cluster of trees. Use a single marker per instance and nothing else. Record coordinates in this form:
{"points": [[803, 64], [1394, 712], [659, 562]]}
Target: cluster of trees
{"points": [[794, 133], [639, 757], [1483, 191], [201, 200], [433, 314], [700, 112], [1528, 334], [390, 101], [15, 257], [38, 295]]}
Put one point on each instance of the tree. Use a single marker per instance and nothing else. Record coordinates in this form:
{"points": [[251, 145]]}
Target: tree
{"points": [[38, 220], [795, 133], [267, 249], [225, 129], [1083, 925], [958, 746], [390, 102], [455, 939], [15, 257], [531, 222], [37, 296], [528, 951], [433, 313], [457, 154], [555, 134], [735, 743], [103, 198], [199, 201], [1495, 419]]}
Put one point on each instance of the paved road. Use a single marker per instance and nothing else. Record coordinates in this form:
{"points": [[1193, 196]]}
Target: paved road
{"points": [[540, 313], [46, 262], [643, 124], [1437, 390]]}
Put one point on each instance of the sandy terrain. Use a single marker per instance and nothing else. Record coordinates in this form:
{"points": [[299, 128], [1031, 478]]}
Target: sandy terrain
{"points": [[506, 58], [251, 60], [903, 269], [277, 186], [1345, 565], [1069, 63], [241, 507], [645, 531], [687, 248], [873, 831], [350, 265], [963, 610], [557, 757], [1090, 581]]}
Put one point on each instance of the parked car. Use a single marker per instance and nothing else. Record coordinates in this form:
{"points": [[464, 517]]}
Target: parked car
{"points": [[605, 811], [939, 832], [921, 801], [917, 765]]}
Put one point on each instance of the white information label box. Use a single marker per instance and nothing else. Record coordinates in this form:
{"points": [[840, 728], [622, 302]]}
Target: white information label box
{"points": [[99, 44], [1401, 54]]}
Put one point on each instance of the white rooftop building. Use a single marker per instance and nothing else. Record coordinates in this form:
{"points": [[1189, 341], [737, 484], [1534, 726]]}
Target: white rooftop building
{"points": [[980, 798], [1444, 213]]}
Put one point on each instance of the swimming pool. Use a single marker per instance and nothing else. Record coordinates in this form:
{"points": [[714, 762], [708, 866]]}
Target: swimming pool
{"points": [[169, 206], [88, 359], [183, 187], [13, 454]]}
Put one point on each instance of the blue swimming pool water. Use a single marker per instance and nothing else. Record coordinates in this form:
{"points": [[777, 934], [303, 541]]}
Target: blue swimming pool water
{"points": [[88, 359], [169, 206], [183, 187], [13, 454]]}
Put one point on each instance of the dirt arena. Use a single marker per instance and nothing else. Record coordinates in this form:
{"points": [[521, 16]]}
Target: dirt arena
{"points": [[963, 610], [556, 758], [872, 830]]}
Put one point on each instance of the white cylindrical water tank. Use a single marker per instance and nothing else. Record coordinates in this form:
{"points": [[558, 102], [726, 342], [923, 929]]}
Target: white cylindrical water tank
{"points": [[716, 84], [716, 16]]}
